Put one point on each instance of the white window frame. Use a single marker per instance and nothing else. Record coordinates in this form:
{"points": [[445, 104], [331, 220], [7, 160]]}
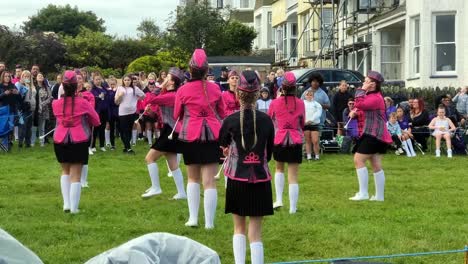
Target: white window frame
{"points": [[415, 62], [326, 30], [306, 47], [434, 44], [249, 5], [382, 62]]}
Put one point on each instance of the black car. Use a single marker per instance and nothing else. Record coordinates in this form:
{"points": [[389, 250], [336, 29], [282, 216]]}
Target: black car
{"points": [[331, 77]]}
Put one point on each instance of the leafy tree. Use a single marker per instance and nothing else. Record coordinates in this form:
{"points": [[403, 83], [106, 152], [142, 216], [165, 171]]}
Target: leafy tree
{"points": [[147, 29], [88, 48], [239, 38], [145, 63], [47, 50], [13, 47], [200, 25], [124, 51], [64, 20], [161, 61]]}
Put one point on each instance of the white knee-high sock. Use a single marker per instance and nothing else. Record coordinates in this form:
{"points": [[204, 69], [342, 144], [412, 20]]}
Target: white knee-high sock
{"points": [[210, 201], [293, 197], [16, 133], [193, 200], [279, 186], [404, 144], [84, 174], [107, 136], [154, 175], [179, 181], [256, 252], [379, 179], [75, 193], [134, 136], [363, 178], [238, 246], [410, 146], [149, 136], [65, 187]]}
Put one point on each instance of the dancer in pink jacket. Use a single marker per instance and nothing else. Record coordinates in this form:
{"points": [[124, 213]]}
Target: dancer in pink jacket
{"points": [[166, 145], [231, 103], [374, 137], [71, 138], [288, 115], [199, 108]]}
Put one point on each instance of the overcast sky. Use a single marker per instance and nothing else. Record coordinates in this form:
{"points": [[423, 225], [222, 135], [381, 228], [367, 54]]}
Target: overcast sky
{"points": [[121, 16]]}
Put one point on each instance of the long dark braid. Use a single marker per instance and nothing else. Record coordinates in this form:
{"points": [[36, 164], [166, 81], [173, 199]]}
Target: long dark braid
{"points": [[70, 91]]}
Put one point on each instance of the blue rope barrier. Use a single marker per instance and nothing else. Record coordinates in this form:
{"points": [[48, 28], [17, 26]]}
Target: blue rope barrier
{"points": [[377, 257]]}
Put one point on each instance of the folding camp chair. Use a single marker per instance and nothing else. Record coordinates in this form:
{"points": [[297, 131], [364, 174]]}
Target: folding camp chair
{"points": [[328, 142], [6, 126]]}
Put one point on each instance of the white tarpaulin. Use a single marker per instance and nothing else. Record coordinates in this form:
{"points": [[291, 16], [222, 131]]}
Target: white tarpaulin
{"points": [[158, 248], [13, 252]]}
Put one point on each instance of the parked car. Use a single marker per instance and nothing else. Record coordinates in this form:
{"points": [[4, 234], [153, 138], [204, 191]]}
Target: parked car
{"points": [[331, 77]]}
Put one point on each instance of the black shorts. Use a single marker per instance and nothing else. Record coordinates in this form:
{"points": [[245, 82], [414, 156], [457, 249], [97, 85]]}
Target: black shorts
{"points": [[248, 199], [312, 128], [289, 154], [149, 119], [164, 144], [199, 152], [370, 145], [72, 153]]}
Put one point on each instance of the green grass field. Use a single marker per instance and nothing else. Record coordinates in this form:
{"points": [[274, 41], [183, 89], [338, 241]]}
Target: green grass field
{"points": [[425, 209]]}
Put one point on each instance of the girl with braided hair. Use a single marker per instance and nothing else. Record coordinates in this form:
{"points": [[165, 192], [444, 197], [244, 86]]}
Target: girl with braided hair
{"points": [[199, 108], [71, 139], [288, 115], [246, 138]]}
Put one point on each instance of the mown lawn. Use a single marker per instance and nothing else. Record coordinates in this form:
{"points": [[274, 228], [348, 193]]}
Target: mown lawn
{"points": [[425, 209]]}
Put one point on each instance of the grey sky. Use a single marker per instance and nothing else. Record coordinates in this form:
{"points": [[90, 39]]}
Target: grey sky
{"points": [[121, 16]]}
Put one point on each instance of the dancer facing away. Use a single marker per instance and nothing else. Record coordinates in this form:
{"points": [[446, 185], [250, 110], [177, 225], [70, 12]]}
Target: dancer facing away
{"points": [[246, 138], [288, 115], [71, 138], [200, 108], [374, 137], [166, 146]]}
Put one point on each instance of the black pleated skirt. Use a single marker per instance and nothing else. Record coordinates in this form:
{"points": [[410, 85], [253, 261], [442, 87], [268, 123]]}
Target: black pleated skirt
{"points": [[198, 152], [370, 145], [289, 154], [72, 153], [249, 199], [164, 144]]}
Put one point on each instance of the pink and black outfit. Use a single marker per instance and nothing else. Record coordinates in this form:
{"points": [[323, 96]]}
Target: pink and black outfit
{"points": [[72, 133], [373, 134], [248, 191], [200, 109], [165, 104], [231, 104], [288, 115]]}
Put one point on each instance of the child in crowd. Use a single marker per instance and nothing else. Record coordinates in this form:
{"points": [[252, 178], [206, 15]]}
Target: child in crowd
{"points": [[263, 103], [395, 131], [443, 128], [313, 111], [406, 135]]}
